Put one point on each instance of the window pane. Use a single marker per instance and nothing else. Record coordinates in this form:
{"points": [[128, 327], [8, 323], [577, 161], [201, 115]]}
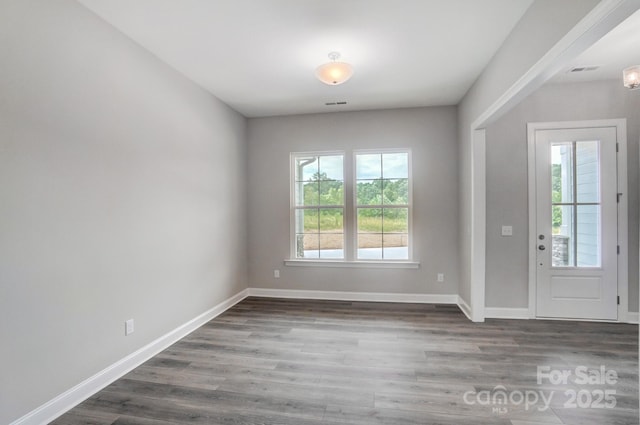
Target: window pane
{"points": [[562, 254], [395, 220], [331, 220], [307, 221], [307, 194], [369, 246], [306, 167], [587, 172], [370, 192], [331, 192], [562, 172], [369, 220], [395, 165], [395, 246], [368, 166], [331, 245], [588, 236], [395, 192], [318, 180], [307, 245], [331, 167], [369, 233]]}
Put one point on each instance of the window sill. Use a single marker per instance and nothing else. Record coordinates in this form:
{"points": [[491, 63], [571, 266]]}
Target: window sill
{"points": [[354, 264]]}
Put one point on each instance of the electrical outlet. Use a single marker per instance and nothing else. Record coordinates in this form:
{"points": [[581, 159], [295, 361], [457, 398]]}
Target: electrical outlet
{"points": [[507, 230], [440, 277], [128, 327], [276, 274]]}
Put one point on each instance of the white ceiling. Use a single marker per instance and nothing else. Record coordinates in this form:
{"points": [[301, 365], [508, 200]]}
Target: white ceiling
{"points": [[617, 50], [259, 56]]}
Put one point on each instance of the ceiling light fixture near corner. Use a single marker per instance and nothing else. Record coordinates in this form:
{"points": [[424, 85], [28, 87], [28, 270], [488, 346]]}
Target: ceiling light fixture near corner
{"points": [[334, 72], [631, 77]]}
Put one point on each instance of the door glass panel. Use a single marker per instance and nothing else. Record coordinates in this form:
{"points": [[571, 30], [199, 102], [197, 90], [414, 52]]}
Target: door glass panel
{"points": [[587, 172], [562, 254], [588, 236], [575, 204], [562, 172]]}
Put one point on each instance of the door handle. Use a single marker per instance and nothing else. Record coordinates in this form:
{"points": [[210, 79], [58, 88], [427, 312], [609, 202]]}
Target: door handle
{"points": [[541, 247]]}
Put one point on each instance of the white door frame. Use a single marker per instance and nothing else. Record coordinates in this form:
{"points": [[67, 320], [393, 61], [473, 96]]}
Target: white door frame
{"points": [[623, 257]]}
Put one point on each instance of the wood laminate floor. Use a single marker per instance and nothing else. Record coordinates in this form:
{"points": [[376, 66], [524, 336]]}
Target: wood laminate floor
{"points": [[307, 362]]}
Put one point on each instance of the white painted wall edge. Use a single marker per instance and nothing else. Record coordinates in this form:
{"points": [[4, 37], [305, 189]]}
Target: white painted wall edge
{"points": [[478, 224], [74, 396]]}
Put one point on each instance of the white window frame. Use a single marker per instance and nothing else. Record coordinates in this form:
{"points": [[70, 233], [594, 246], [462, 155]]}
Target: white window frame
{"points": [[293, 207], [409, 206], [349, 215]]}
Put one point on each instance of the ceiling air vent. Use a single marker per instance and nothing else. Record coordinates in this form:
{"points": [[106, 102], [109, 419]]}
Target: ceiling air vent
{"points": [[344, 102], [584, 68]]}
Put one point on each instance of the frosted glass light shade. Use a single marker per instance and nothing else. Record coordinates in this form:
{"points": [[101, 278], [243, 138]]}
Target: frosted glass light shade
{"points": [[334, 73], [631, 77]]}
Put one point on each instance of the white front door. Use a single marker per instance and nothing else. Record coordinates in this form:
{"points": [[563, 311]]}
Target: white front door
{"points": [[576, 223]]}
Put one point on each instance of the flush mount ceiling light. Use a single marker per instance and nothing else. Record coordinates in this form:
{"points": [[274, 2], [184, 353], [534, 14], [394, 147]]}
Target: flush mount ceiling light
{"points": [[334, 72], [631, 77]]}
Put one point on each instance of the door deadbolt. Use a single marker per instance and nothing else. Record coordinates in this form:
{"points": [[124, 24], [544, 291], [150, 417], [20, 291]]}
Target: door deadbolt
{"points": [[541, 237]]}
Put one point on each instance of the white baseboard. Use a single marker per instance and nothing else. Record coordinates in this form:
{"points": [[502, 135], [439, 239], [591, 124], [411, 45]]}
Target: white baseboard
{"points": [[464, 307], [355, 296], [74, 396], [524, 314], [506, 313], [363, 296]]}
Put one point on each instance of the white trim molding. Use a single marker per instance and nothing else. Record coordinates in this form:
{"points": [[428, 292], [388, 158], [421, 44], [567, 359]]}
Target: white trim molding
{"points": [[523, 314], [354, 296], [74, 396], [354, 264]]}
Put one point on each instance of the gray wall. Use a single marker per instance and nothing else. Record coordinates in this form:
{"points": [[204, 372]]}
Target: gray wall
{"points": [[431, 135], [507, 258], [123, 196]]}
